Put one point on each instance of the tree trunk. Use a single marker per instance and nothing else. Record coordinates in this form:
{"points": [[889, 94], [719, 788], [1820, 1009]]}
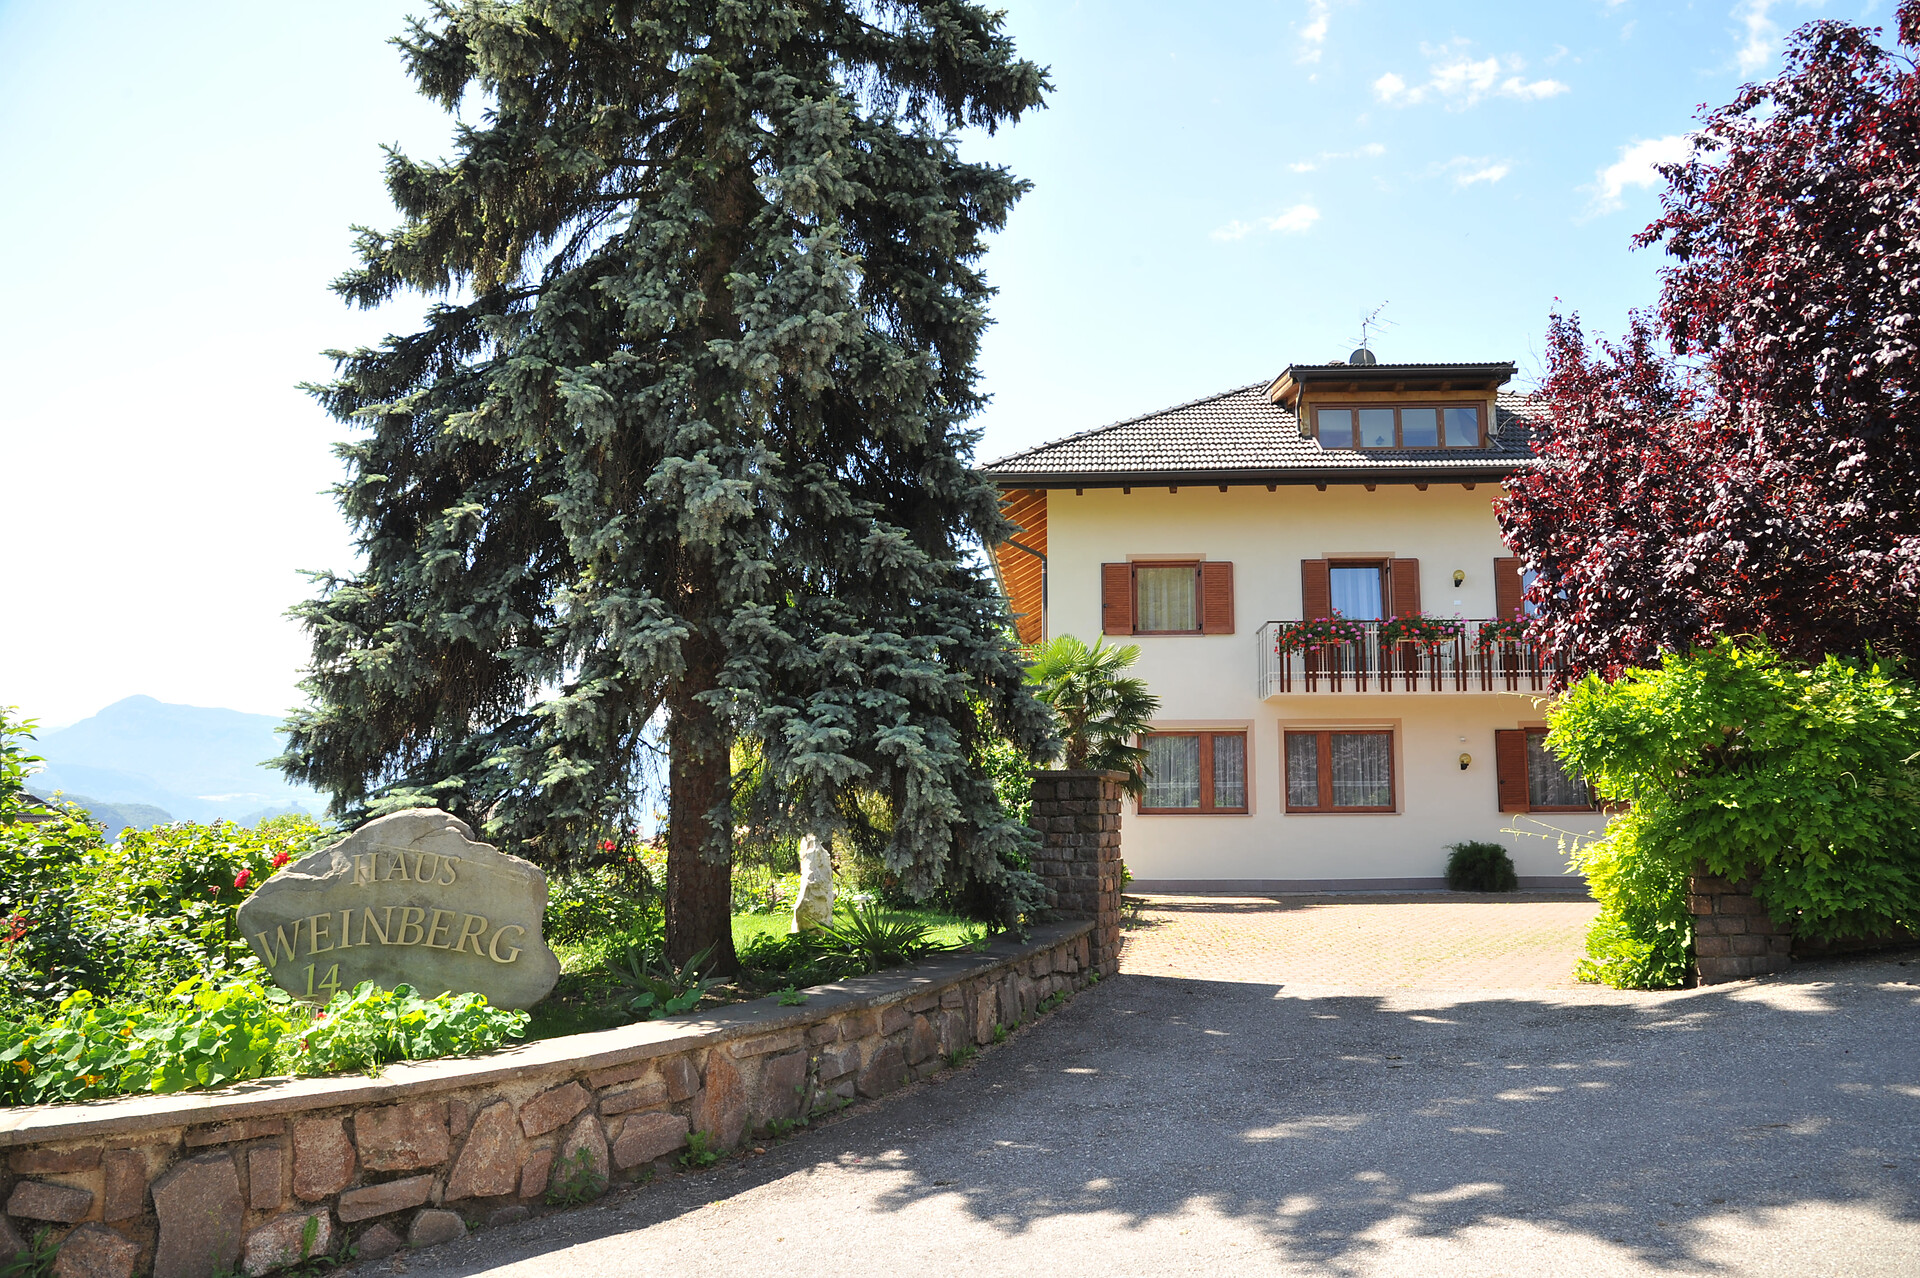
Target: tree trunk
{"points": [[699, 903]]}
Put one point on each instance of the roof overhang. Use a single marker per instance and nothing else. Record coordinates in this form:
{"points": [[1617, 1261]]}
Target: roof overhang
{"points": [[1286, 388], [1491, 473]]}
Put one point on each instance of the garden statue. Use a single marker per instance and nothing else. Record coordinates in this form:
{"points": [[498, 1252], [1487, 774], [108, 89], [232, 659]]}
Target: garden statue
{"points": [[410, 898], [813, 908]]}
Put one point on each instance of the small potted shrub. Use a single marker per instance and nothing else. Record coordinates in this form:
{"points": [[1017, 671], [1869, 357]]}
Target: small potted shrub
{"points": [[1480, 867]]}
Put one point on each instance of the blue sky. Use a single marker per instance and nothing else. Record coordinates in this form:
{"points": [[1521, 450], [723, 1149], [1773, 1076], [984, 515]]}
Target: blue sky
{"points": [[1219, 189]]}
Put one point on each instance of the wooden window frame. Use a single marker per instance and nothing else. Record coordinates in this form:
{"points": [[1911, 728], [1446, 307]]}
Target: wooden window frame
{"points": [[1199, 601], [1206, 736], [1527, 771], [1324, 756], [1480, 431]]}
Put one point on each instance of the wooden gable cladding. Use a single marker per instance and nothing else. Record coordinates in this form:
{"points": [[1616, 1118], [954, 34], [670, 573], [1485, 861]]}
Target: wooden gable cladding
{"points": [[1023, 567]]}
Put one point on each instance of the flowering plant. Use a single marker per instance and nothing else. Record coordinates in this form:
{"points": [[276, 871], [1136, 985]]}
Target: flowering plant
{"points": [[1417, 628], [1321, 632], [1494, 634]]}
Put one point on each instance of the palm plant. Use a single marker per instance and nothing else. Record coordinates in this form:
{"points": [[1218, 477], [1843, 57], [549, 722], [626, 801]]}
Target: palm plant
{"points": [[1102, 710]]}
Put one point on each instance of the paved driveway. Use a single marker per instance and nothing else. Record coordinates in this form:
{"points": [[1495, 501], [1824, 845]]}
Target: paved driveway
{"points": [[1453, 940], [1173, 1125]]}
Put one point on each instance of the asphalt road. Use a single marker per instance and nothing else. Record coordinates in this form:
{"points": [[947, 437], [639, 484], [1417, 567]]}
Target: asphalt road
{"points": [[1169, 1126]]}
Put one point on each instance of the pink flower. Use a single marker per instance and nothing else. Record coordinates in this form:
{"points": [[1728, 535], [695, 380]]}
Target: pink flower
{"points": [[240, 879], [606, 845], [281, 858]]}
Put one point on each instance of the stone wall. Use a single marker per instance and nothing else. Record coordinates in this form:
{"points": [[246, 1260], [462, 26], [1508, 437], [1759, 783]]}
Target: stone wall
{"points": [[1079, 815], [1733, 935], [246, 1177]]}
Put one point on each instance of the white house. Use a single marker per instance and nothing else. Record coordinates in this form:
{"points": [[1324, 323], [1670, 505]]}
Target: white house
{"points": [[1344, 754]]}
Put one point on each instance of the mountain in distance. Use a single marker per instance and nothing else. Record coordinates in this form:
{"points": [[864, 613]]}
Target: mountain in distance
{"points": [[197, 763]]}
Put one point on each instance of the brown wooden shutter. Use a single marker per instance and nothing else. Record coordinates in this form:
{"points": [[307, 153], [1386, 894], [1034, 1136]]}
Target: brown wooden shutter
{"points": [[1404, 583], [1509, 588], [1316, 590], [1510, 768], [1116, 599], [1216, 599]]}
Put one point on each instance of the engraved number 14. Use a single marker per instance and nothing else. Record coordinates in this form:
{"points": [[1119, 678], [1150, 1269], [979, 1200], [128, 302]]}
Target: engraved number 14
{"points": [[330, 982]]}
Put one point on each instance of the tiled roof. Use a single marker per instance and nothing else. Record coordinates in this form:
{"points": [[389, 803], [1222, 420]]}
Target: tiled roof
{"points": [[1242, 435]]}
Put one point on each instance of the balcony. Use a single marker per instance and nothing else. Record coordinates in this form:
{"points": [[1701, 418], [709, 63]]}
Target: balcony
{"points": [[1468, 661]]}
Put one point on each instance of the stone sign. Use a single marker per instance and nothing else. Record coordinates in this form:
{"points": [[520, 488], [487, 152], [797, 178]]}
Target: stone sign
{"points": [[409, 898]]}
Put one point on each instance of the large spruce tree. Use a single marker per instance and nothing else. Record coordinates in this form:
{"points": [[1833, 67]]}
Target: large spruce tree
{"points": [[682, 450]]}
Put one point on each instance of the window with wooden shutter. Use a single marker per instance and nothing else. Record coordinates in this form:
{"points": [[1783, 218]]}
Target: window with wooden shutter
{"points": [[1116, 599], [1216, 599], [1509, 588], [1510, 768], [1404, 587], [1316, 590]]}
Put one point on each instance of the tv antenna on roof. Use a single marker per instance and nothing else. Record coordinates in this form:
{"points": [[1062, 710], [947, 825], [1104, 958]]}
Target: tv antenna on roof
{"points": [[1363, 354]]}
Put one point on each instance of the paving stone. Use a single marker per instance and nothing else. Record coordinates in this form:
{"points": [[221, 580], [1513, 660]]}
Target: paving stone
{"points": [[266, 1177], [379, 1200], [322, 1158], [201, 1212], [433, 1227], [619, 1074], [720, 1110], [401, 1137], [378, 1243], [40, 1200], [550, 1109], [922, 1042], [780, 1089], [48, 1162], [570, 1170], [283, 1241], [884, 1073], [94, 1251], [645, 1137], [126, 1185], [501, 1217], [233, 1133], [681, 1080], [645, 1095], [489, 1163], [533, 1173]]}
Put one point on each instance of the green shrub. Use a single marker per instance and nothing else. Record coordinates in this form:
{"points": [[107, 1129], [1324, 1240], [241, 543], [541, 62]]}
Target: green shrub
{"points": [[606, 901], [1480, 867], [366, 1027], [1733, 758]]}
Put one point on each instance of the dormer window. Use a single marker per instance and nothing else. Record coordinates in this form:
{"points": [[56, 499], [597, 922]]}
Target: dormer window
{"points": [[1399, 425]]}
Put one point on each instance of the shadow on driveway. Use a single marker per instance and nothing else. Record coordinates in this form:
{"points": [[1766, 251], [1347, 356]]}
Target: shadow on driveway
{"points": [[1163, 1126]]}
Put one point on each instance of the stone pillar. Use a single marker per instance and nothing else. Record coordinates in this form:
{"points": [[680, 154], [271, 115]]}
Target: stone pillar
{"points": [[1079, 815], [1733, 935]]}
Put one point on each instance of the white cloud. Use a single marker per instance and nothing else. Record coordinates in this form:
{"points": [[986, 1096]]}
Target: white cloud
{"points": [[1367, 152], [1460, 81], [1293, 220], [1760, 33], [1313, 36], [1635, 167], [1488, 173]]}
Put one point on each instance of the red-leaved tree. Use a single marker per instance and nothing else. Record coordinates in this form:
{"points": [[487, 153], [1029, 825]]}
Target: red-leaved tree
{"points": [[1747, 458]]}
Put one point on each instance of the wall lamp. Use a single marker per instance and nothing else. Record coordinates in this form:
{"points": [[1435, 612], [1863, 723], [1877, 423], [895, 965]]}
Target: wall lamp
{"points": [[1459, 578], [1465, 759]]}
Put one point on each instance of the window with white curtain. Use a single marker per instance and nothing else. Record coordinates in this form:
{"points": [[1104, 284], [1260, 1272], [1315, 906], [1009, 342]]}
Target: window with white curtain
{"points": [[1166, 597], [1196, 772], [1339, 771], [1549, 783]]}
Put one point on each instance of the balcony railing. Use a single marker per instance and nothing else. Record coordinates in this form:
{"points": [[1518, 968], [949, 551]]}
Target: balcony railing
{"points": [[1462, 663]]}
